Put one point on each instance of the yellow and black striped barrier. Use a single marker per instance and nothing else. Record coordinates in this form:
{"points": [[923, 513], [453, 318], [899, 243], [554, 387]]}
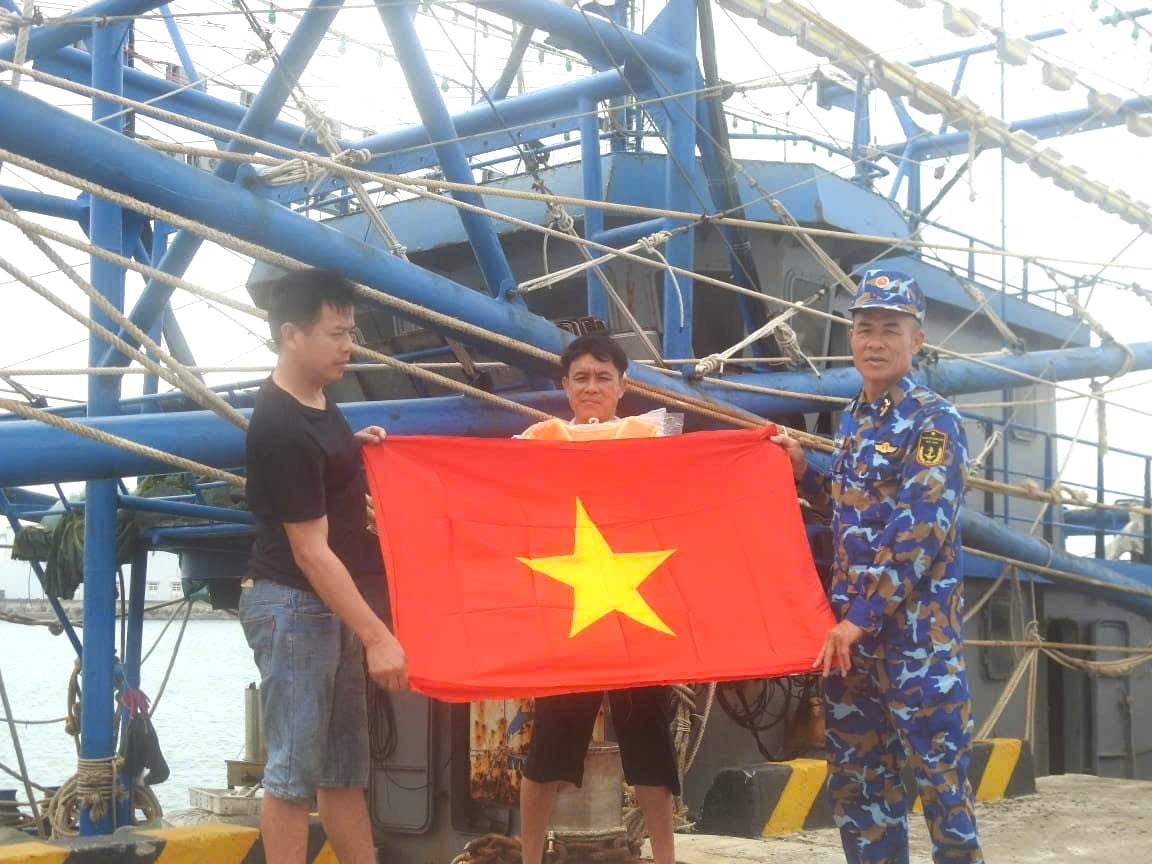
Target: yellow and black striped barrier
{"points": [[192, 844], [773, 798]]}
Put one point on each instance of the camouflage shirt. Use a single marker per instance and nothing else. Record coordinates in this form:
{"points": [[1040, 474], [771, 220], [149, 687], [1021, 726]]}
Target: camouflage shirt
{"points": [[894, 492]]}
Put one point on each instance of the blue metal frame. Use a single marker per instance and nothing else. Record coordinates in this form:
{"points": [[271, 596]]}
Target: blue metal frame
{"points": [[50, 38], [657, 66], [442, 132], [98, 733], [265, 106]]}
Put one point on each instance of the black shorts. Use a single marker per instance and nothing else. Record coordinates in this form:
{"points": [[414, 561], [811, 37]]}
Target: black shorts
{"points": [[640, 719]]}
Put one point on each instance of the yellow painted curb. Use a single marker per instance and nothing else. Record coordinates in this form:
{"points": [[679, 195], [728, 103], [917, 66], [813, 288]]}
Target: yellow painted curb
{"points": [[1002, 762], [32, 853], [804, 784], [194, 844]]}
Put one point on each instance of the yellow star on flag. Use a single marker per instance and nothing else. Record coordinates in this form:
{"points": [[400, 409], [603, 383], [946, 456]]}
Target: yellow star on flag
{"points": [[603, 581]]}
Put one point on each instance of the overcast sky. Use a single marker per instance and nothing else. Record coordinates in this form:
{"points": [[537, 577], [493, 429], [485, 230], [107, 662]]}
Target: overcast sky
{"points": [[358, 84]]}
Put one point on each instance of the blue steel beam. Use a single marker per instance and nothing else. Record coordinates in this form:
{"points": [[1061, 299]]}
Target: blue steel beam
{"points": [[97, 730], [442, 132], [590, 34], [1045, 126], [76, 66], [32, 454], [131, 168], [266, 105], [396, 148], [185, 510], [678, 19], [398, 151], [181, 49], [954, 376], [46, 205], [593, 178], [1118, 18], [62, 31], [513, 64]]}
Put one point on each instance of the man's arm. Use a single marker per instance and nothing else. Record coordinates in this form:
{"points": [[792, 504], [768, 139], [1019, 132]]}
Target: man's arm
{"points": [[927, 507], [331, 580]]}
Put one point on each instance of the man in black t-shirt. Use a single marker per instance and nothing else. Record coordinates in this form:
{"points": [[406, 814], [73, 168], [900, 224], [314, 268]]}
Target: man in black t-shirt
{"points": [[304, 613]]}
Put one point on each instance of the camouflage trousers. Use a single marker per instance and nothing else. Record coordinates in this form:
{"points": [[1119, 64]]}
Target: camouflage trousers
{"points": [[887, 711]]}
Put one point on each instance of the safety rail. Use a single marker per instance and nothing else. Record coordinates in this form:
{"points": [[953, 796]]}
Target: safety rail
{"points": [[1112, 475]]}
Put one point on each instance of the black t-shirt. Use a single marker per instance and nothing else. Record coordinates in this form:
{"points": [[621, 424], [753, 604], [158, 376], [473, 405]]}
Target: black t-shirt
{"points": [[304, 463]]}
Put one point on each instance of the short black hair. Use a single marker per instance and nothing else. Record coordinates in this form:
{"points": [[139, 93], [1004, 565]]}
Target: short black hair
{"points": [[600, 345], [299, 297]]}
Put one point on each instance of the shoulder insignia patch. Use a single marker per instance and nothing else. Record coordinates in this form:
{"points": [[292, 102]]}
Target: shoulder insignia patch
{"points": [[930, 447], [886, 448]]}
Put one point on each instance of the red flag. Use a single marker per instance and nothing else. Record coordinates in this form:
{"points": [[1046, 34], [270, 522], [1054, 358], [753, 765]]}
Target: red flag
{"points": [[526, 568]]}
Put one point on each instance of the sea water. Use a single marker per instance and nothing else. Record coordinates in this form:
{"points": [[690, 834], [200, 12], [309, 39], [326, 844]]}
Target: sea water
{"points": [[199, 720]]}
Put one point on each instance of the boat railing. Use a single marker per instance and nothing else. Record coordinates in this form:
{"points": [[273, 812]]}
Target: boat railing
{"points": [[1096, 475]]}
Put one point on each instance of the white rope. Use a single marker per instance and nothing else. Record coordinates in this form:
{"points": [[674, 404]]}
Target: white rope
{"points": [[981, 300], [651, 245], [551, 278], [427, 185], [989, 445], [178, 377], [714, 363]]}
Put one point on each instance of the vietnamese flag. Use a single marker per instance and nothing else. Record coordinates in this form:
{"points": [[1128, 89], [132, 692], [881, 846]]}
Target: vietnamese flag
{"points": [[527, 568]]}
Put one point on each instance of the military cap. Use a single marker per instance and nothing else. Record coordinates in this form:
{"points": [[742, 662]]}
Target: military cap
{"points": [[889, 289]]}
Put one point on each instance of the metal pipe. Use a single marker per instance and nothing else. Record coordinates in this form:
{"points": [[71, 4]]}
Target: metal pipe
{"points": [[181, 49], [253, 725], [11, 720], [512, 65], [680, 176], [625, 235], [266, 105], [592, 35], [442, 132], [1119, 17], [1044, 126], [185, 510], [46, 39], [138, 582], [76, 66], [989, 535], [593, 177], [948, 377], [97, 730], [46, 205]]}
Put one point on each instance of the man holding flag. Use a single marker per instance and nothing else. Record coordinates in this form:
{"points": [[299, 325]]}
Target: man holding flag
{"points": [[571, 564], [593, 379], [894, 491]]}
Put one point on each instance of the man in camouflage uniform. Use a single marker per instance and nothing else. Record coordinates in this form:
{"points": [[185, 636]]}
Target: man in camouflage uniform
{"points": [[894, 491]]}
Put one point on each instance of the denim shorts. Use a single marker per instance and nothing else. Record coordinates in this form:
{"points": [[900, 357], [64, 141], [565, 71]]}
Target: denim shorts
{"points": [[312, 691]]}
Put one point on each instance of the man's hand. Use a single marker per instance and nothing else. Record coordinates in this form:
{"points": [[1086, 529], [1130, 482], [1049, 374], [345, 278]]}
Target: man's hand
{"points": [[794, 450], [387, 665], [371, 435], [838, 646]]}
